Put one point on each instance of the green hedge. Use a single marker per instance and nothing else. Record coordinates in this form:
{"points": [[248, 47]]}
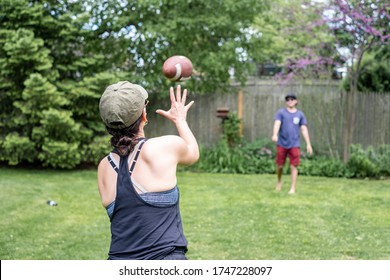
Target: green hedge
{"points": [[259, 158]]}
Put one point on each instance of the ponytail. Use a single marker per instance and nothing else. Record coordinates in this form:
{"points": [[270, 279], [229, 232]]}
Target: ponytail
{"points": [[123, 140]]}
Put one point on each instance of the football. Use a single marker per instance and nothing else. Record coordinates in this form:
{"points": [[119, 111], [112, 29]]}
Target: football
{"points": [[177, 68]]}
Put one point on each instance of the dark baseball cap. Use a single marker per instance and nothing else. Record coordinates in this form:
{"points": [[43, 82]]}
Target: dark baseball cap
{"points": [[291, 95]]}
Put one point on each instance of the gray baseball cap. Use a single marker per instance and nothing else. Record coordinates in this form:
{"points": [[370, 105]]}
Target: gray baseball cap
{"points": [[122, 104]]}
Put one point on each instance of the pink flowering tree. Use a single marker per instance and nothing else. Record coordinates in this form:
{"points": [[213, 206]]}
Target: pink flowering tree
{"points": [[356, 28]]}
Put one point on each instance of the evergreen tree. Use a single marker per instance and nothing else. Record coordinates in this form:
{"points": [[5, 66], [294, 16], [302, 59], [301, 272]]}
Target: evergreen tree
{"points": [[44, 58], [57, 57]]}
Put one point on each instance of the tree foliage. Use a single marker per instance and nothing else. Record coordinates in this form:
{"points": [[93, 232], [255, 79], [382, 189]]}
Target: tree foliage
{"points": [[298, 39], [215, 35], [375, 72], [311, 38], [333, 33], [359, 27], [45, 59], [57, 57]]}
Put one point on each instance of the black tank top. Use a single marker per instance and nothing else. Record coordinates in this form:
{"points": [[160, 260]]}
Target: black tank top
{"points": [[140, 230]]}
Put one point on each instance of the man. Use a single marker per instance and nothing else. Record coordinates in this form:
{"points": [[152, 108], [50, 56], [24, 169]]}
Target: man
{"points": [[288, 125]]}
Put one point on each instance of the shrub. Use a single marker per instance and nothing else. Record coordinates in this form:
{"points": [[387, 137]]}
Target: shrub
{"points": [[60, 154], [97, 149], [222, 159], [363, 163], [17, 149], [259, 158], [231, 129], [321, 166], [384, 160]]}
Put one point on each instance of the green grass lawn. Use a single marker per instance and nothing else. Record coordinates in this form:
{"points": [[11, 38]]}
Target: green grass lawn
{"points": [[225, 217]]}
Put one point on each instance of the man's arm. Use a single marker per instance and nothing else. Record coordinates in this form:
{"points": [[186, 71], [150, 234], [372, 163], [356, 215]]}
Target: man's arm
{"points": [[305, 133], [276, 129]]}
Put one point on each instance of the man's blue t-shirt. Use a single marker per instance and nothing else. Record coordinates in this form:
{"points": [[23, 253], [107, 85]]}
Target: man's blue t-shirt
{"points": [[289, 133]]}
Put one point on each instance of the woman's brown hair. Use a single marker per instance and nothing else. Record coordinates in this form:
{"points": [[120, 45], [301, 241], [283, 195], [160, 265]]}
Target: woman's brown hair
{"points": [[123, 140]]}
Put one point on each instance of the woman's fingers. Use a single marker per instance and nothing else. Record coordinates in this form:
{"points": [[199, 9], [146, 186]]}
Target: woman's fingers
{"points": [[184, 97], [188, 106], [172, 95], [178, 93]]}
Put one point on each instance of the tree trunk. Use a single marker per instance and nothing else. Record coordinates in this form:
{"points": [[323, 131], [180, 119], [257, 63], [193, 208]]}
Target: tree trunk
{"points": [[349, 123]]}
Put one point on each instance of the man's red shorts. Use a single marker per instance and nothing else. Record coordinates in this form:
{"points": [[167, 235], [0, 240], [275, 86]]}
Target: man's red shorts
{"points": [[283, 153]]}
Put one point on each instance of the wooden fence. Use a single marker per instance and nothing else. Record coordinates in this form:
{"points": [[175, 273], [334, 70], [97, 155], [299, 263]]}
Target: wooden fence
{"points": [[323, 104]]}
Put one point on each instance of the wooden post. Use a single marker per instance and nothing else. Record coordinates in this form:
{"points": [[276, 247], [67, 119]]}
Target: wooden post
{"points": [[240, 110]]}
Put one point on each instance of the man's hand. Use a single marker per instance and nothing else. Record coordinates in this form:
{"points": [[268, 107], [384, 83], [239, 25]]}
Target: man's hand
{"points": [[309, 149]]}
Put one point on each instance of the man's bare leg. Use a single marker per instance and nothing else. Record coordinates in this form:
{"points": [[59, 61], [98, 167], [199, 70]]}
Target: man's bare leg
{"points": [[294, 176], [279, 171]]}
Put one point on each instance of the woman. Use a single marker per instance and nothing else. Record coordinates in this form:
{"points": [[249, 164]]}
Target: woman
{"points": [[137, 180]]}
